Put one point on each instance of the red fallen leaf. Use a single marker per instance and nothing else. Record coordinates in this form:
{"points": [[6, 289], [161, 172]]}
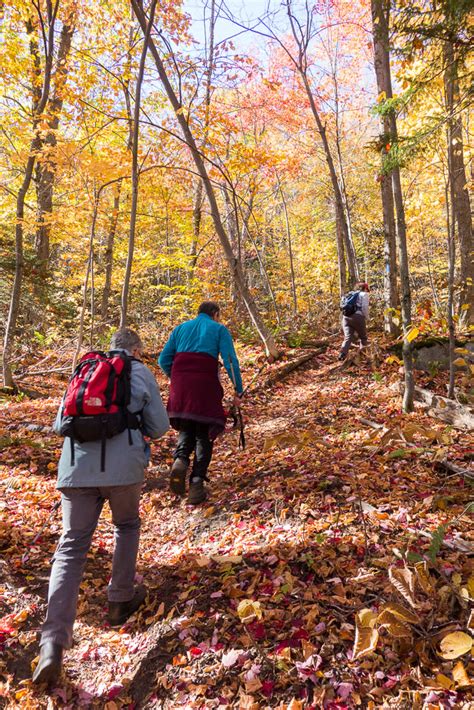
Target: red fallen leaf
{"points": [[300, 634], [267, 688], [195, 651], [114, 690], [257, 630]]}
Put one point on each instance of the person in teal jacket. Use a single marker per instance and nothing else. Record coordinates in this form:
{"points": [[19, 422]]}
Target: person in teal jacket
{"points": [[191, 359]]}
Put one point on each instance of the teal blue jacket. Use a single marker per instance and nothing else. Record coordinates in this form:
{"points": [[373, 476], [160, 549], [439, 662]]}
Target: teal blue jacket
{"points": [[203, 335]]}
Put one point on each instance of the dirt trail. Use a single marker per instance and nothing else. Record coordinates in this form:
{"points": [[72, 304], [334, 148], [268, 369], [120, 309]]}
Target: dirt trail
{"points": [[284, 528]]}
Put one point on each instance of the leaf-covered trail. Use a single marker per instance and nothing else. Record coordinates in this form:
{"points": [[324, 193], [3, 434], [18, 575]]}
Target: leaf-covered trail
{"points": [[309, 524]]}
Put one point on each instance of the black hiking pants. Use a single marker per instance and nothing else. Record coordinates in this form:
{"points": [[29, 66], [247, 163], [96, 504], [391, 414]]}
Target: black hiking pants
{"points": [[194, 436]]}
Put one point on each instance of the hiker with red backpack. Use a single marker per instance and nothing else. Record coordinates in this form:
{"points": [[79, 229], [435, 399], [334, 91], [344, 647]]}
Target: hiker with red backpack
{"points": [[111, 402], [355, 313], [190, 359]]}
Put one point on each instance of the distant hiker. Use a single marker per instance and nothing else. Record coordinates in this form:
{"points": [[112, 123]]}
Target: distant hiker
{"points": [[85, 487], [355, 313], [190, 359]]}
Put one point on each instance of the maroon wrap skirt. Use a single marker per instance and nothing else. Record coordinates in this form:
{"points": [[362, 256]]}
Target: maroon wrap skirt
{"points": [[195, 392]]}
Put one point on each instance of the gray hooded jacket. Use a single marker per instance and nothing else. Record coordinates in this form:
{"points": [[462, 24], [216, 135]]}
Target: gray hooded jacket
{"points": [[124, 463]]}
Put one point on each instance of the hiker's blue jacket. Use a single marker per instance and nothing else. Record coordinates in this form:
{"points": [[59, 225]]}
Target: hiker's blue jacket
{"points": [[124, 463], [203, 335]]}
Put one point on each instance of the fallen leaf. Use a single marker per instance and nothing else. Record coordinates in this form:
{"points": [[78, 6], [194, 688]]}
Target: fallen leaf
{"points": [[454, 645]]}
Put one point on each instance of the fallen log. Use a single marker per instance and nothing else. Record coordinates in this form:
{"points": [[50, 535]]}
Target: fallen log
{"points": [[453, 468], [458, 415], [286, 369], [38, 373]]}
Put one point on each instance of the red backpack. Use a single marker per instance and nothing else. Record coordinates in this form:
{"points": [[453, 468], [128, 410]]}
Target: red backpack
{"points": [[95, 406]]}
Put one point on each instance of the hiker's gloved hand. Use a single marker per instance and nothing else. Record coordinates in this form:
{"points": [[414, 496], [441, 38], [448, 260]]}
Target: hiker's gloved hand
{"points": [[237, 400]]}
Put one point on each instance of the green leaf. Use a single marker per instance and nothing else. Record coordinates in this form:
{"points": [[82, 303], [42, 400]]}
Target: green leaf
{"points": [[437, 538]]}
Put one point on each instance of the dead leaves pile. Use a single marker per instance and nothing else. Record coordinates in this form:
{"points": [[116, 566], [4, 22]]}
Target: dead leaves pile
{"points": [[323, 573]]}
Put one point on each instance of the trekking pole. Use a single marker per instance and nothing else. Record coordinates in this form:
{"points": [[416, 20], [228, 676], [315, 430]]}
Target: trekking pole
{"points": [[26, 555], [239, 411], [253, 378]]}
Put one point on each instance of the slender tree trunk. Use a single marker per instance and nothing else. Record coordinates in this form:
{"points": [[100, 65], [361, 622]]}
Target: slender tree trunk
{"points": [[197, 219], [135, 173], [451, 229], [341, 258], [90, 256], [234, 266], [46, 165], [198, 194], [346, 238], [390, 288], [339, 200], [384, 86], [460, 194], [380, 24], [109, 253], [39, 103], [290, 250]]}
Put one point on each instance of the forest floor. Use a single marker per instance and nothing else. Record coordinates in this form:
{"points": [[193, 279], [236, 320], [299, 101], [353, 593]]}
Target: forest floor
{"points": [[331, 566]]}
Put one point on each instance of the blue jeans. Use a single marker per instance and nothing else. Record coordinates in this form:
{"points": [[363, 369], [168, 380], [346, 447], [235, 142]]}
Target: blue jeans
{"points": [[81, 509]]}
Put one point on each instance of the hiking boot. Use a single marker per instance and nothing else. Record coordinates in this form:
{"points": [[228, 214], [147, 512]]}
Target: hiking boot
{"points": [[119, 612], [197, 491], [50, 663], [178, 477]]}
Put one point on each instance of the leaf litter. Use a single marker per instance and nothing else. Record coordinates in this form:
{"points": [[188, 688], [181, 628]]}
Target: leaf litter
{"points": [[330, 568]]}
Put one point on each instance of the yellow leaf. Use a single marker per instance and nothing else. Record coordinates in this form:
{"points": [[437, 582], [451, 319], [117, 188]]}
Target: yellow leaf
{"points": [[465, 307], [460, 677], [366, 636], [470, 587], [248, 610], [404, 581], [444, 681], [412, 334], [454, 645], [461, 351], [397, 629], [381, 97], [460, 362], [423, 577], [401, 613]]}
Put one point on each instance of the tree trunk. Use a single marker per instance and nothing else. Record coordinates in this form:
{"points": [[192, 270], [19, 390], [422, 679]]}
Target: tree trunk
{"points": [[90, 256], [39, 103], [460, 194], [390, 288], [135, 172], [234, 266], [341, 257], [380, 24], [109, 253], [290, 250], [198, 196], [451, 219], [352, 265], [46, 165], [384, 86], [197, 219]]}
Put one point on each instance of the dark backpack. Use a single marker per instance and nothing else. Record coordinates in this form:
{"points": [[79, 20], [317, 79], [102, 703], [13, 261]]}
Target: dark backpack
{"points": [[95, 406], [349, 303]]}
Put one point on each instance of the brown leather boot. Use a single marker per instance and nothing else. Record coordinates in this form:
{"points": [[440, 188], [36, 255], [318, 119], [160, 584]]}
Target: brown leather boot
{"points": [[197, 492], [178, 477]]}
